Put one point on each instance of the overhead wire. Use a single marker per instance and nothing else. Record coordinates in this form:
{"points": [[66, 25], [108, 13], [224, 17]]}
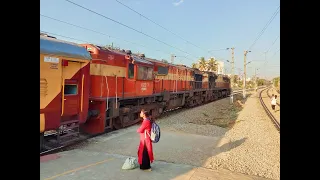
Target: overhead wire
{"points": [[68, 23], [272, 56], [272, 44], [127, 26], [276, 52], [266, 62], [159, 25], [68, 37], [265, 27], [47, 32]]}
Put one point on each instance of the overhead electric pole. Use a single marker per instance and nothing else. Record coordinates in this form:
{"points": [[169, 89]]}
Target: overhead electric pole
{"points": [[232, 66], [172, 58], [255, 77], [245, 72], [232, 74]]}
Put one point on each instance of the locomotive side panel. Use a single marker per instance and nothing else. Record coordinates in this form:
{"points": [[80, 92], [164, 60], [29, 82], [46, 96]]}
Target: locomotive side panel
{"points": [[59, 78], [174, 76], [181, 81], [189, 80], [75, 85], [129, 80], [161, 78], [106, 80], [50, 92], [205, 81], [108, 71], [144, 80]]}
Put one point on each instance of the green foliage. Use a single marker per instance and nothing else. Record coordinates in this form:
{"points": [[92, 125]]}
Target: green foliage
{"points": [[235, 79], [261, 82], [276, 81], [202, 64], [250, 84], [240, 83], [212, 64]]}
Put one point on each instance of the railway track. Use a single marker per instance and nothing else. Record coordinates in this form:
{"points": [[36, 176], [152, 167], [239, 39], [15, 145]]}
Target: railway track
{"points": [[86, 137], [273, 119]]}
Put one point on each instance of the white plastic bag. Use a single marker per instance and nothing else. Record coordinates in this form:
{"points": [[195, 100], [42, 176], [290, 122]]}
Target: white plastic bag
{"points": [[130, 163]]}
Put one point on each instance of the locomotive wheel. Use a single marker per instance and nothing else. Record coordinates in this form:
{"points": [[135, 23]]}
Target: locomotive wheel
{"points": [[117, 123], [160, 111]]}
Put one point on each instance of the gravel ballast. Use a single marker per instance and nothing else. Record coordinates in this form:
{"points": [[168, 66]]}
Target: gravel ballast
{"points": [[242, 138], [249, 142]]}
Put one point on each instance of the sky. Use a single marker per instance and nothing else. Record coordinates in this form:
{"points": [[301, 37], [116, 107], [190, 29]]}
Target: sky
{"points": [[191, 28]]}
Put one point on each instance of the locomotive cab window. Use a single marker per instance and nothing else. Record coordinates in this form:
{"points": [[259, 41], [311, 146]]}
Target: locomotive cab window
{"points": [[162, 70], [70, 89], [145, 73], [131, 71]]}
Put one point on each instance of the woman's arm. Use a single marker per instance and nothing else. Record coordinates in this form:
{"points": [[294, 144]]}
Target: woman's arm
{"points": [[142, 127]]}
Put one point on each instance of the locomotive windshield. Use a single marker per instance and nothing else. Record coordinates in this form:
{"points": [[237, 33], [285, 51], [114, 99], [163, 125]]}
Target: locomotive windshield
{"points": [[131, 71]]}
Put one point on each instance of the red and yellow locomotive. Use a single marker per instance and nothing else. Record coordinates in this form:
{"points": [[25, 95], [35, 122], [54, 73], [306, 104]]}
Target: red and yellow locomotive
{"points": [[99, 88]]}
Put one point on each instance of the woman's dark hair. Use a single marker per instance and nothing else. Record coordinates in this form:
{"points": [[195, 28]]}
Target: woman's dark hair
{"points": [[145, 112], [275, 96]]}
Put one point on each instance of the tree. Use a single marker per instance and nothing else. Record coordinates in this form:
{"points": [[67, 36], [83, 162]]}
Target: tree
{"points": [[202, 64], [240, 83], [250, 84], [235, 79], [212, 64], [194, 65], [261, 82], [276, 81]]}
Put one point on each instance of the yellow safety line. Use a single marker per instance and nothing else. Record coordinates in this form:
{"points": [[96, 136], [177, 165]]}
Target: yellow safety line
{"points": [[77, 169]]}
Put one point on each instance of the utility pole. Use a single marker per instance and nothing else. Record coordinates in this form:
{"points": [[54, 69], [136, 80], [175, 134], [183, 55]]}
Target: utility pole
{"points": [[172, 58], [255, 77], [232, 74], [265, 56], [232, 66], [245, 72]]}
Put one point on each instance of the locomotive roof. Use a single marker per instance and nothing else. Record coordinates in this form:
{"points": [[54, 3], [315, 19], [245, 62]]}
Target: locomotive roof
{"points": [[63, 48], [140, 60], [156, 61], [169, 64], [163, 63]]}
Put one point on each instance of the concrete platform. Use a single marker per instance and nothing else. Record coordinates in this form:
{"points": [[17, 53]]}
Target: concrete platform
{"points": [[174, 147], [87, 165], [178, 156]]}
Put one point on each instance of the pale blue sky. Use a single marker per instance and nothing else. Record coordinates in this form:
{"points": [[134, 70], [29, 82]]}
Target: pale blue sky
{"points": [[209, 24]]}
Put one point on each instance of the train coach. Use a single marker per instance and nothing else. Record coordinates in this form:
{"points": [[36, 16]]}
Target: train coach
{"points": [[88, 88], [64, 85]]}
